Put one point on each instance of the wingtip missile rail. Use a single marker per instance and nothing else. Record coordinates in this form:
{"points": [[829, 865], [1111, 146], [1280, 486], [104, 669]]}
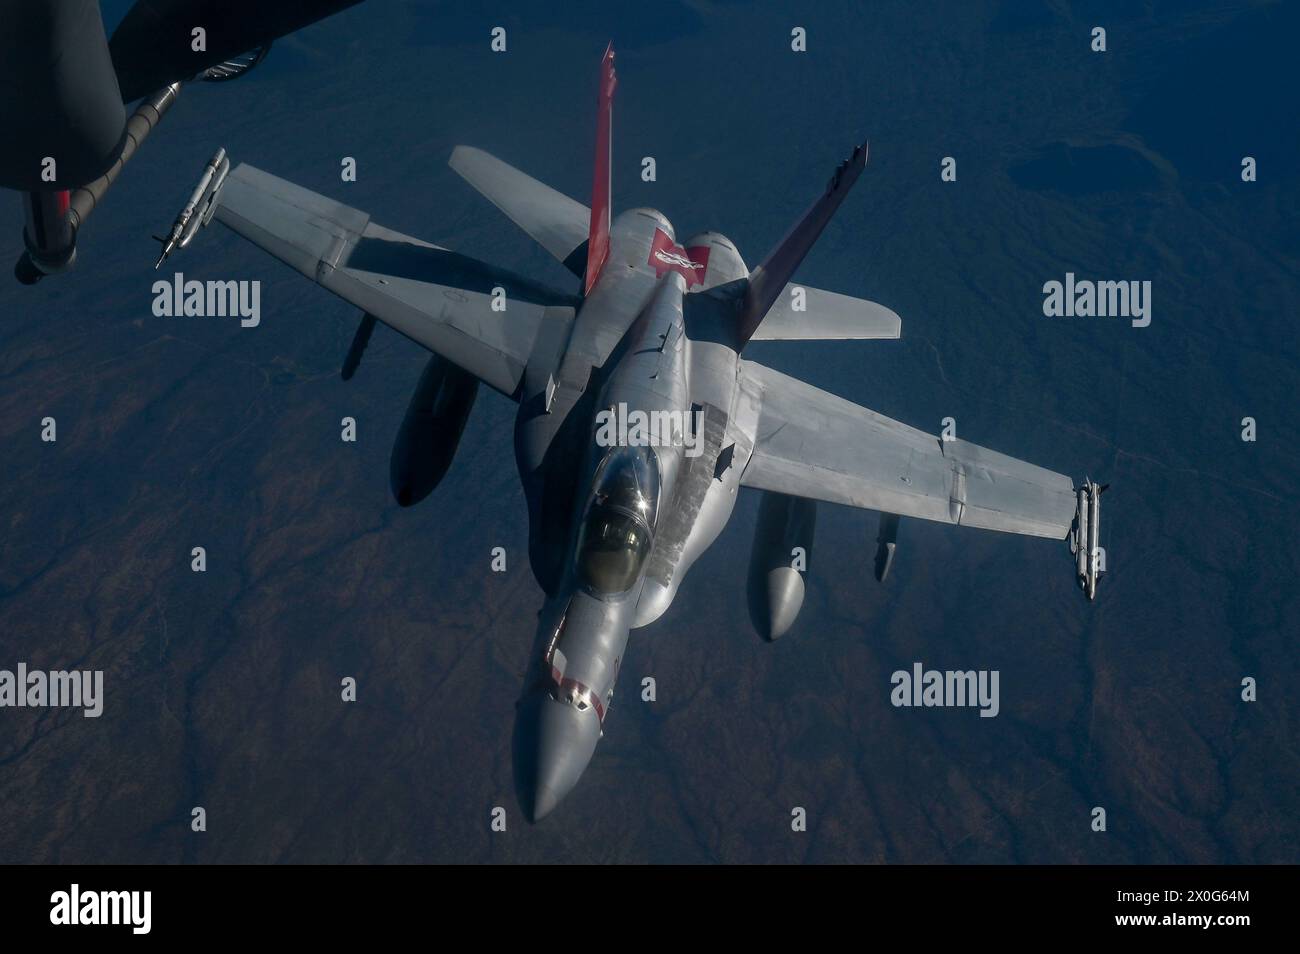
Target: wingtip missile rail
{"points": [[198, 210], [1085, 536]]}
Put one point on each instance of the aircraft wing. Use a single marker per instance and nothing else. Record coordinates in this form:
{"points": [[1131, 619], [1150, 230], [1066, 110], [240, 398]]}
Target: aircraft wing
{"points": [[436, 297], [813, 444]]}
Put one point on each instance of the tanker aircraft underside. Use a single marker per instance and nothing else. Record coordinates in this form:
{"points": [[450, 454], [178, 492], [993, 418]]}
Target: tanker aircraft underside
{"points": [[655, 328]]}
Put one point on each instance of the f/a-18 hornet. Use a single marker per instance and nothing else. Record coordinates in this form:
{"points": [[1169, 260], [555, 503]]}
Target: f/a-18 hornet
{"points": [[639, 419]]}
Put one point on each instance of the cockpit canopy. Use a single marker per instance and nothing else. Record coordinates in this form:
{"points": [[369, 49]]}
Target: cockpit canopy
{"points": [[618, 527]]}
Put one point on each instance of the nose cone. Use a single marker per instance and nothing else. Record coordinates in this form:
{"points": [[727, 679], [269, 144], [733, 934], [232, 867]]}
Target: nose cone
{"points": [[554, 742]]}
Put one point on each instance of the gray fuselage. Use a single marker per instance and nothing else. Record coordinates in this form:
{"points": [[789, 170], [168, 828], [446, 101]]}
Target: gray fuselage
{"points": [[664, 415]]}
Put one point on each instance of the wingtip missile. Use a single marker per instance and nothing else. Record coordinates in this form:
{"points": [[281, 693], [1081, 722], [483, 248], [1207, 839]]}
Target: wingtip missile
{"points": [[1085, 537], [198, 210]]}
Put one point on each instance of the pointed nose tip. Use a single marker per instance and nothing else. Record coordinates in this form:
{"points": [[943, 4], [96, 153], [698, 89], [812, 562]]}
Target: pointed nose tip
{"points": [[559, 741], [544, 802]]}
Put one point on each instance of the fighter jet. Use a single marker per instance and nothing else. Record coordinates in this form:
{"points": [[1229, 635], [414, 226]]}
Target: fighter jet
{"points": [[639, 418]]}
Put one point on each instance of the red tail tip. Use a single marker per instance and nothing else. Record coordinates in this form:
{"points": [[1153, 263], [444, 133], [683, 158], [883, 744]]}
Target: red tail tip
{"points": [[608, 79], [598, 234]]}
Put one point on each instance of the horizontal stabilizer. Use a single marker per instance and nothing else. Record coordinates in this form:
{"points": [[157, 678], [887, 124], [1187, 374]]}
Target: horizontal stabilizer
{"points": [[825, 316], [553, 220]]}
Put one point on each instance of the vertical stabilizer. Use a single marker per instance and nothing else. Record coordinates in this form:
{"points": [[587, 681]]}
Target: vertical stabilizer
{"points": [[598, 234], [768, 280]]}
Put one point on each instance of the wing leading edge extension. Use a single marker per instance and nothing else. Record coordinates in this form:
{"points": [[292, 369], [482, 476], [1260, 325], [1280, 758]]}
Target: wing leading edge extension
{"points": [[814, 444], [438, 298]]}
